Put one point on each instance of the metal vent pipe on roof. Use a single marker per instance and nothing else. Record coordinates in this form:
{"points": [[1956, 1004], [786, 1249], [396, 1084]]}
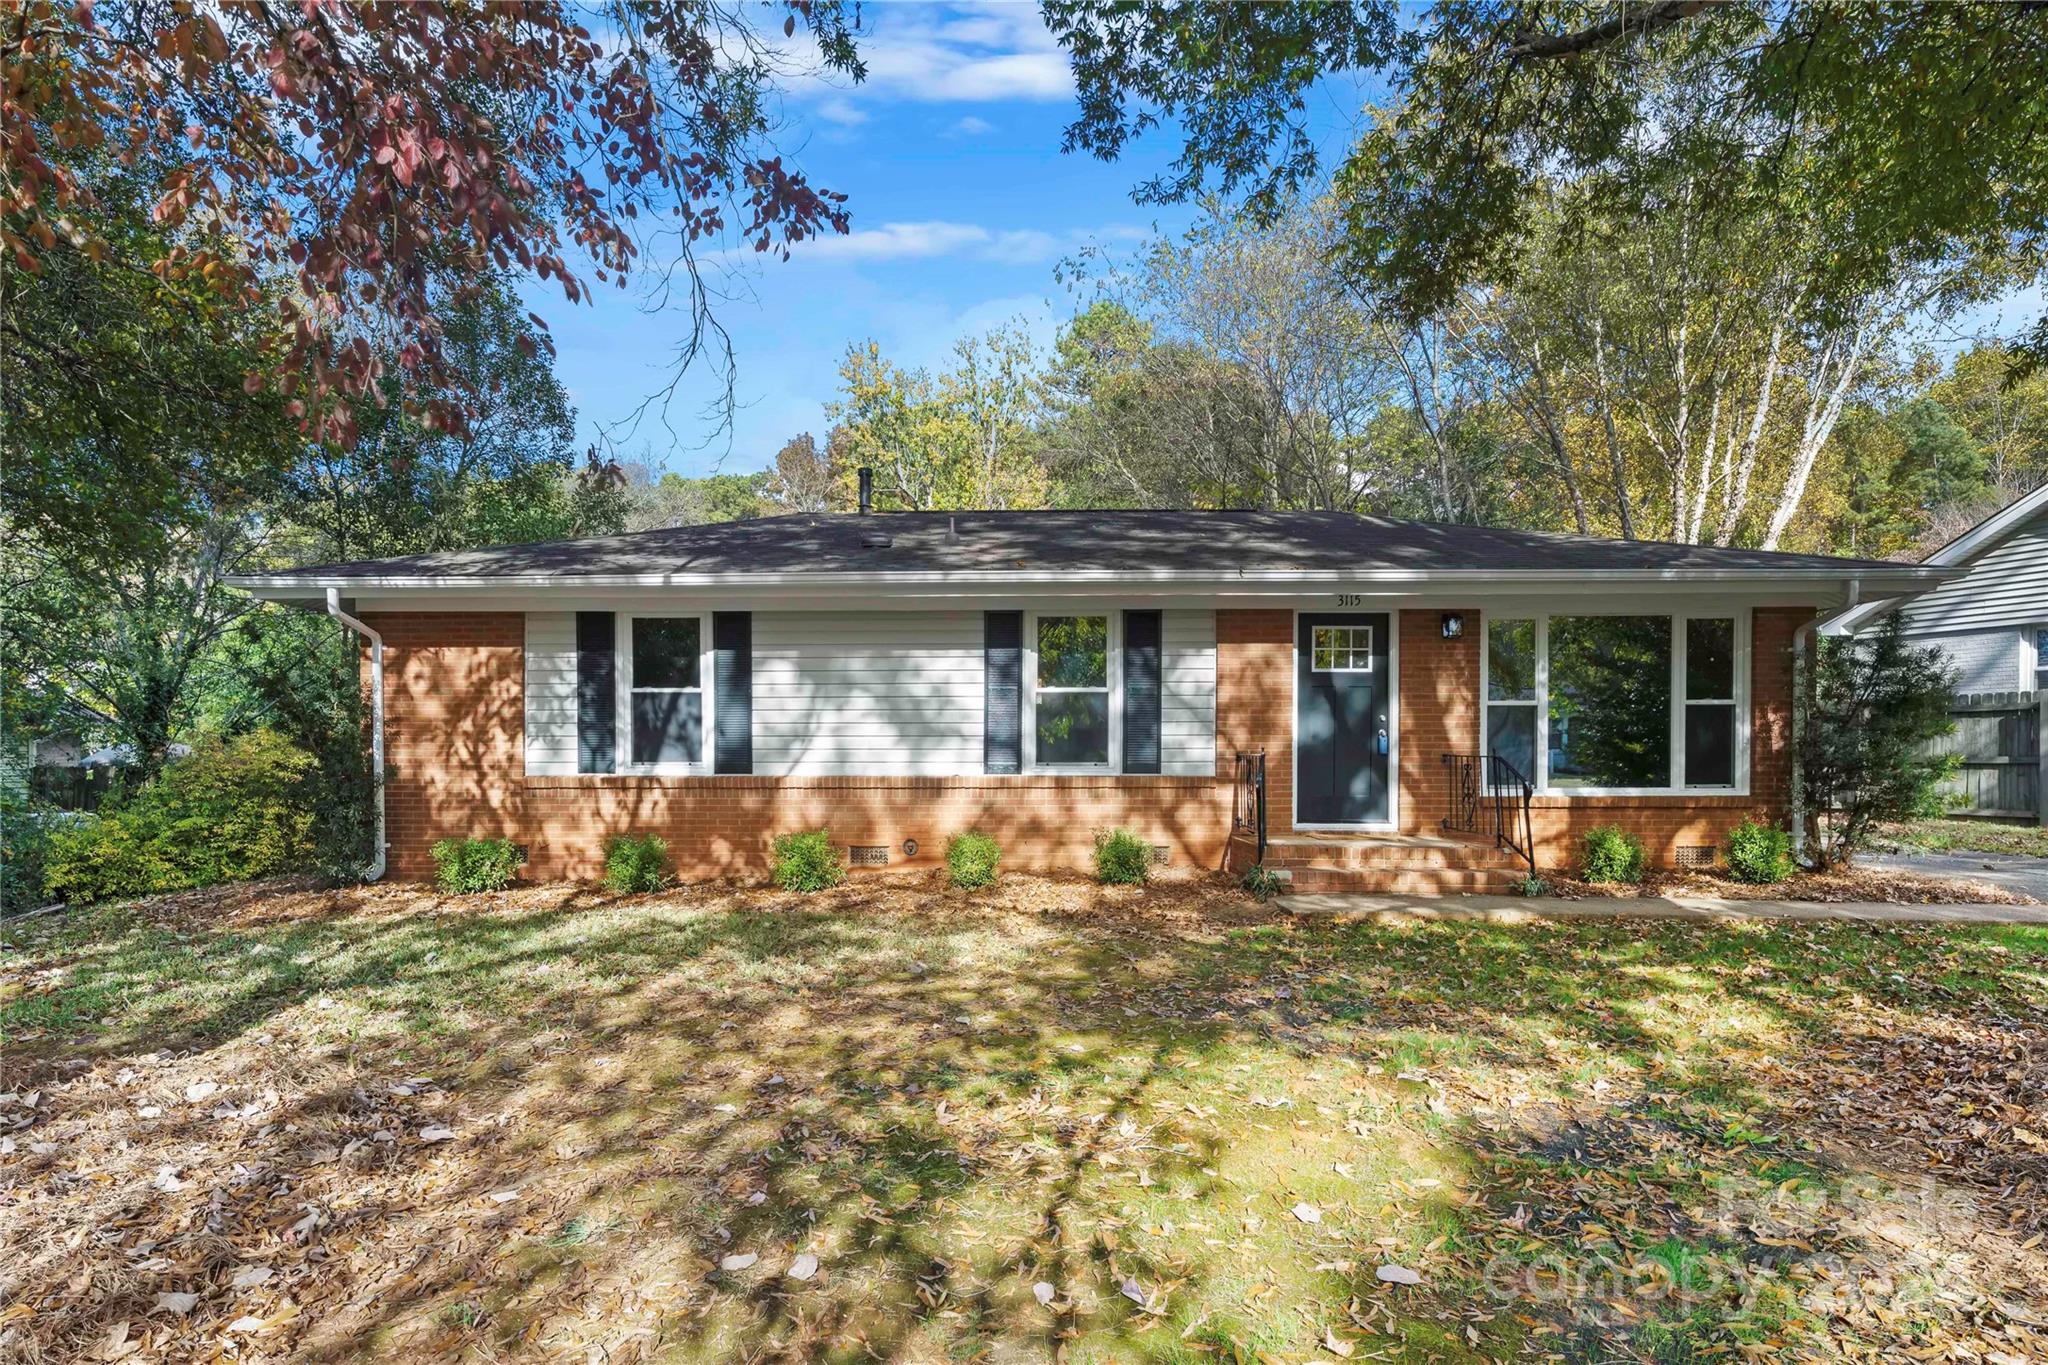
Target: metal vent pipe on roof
{"points": [[867, 490]]}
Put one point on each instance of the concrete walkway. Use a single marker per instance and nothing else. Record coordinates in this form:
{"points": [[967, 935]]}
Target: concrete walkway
{"points": [[2028, 876], [1350, 906]]}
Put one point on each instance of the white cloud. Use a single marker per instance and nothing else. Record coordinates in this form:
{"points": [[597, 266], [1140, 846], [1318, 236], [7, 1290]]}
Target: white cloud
{"points": [[842, 111], [930, 240], [972, 127], [944, 55]]}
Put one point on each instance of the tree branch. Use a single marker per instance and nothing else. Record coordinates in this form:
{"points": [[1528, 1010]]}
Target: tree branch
{"points": [[1640, 23]]}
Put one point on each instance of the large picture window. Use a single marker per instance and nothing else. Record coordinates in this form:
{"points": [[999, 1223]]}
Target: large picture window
{"points": [[663, 679], [1610, 701], [1072, 714], [1617, 703]]}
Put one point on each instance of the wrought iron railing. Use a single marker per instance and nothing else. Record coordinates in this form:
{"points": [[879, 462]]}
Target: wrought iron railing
{"points": [[1489, 795], [1248, 799]]}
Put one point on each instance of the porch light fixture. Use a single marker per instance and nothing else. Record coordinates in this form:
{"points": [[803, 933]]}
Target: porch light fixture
{"points": [[1454, 625]]}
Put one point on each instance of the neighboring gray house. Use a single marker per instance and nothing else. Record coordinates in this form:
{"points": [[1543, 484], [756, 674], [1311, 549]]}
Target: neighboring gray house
{"points": [[1992, 621]]}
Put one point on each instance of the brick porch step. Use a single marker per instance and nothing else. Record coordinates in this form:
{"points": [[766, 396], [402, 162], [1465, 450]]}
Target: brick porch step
{"points": [[1401, 881], [1385, 851]]}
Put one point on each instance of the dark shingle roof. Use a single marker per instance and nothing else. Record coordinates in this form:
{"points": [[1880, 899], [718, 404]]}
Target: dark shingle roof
{"points": [[1221, 543]]}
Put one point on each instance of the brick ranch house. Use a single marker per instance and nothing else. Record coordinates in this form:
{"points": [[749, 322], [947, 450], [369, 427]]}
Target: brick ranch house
{"points": [[897, 678]]}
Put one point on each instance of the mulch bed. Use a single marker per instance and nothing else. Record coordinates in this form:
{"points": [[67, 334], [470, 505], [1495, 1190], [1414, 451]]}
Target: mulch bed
{"points": [[1856, 884]]}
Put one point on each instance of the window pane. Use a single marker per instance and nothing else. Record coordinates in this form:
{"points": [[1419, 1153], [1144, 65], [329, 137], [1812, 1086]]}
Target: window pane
{"points": [[668, 727], [665, 651], [1710, 746], [1511, 733], [1073, 651], [1610, 701], [1073, 727], [1511, 661], [1709, 659]]}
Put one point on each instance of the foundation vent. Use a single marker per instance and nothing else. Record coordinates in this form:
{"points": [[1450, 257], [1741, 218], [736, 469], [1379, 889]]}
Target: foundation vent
{"points": [[1161, 855], [1695, 855], [868, 855]]}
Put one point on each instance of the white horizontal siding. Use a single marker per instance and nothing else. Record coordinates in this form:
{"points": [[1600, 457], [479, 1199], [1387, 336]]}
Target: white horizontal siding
{"points": [[883, 693], [2007, 585], [550, 693], [886, 693], [1187, 708]]}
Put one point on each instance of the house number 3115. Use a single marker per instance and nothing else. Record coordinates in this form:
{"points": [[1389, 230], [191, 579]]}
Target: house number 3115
{"points": [[1350, 599]]}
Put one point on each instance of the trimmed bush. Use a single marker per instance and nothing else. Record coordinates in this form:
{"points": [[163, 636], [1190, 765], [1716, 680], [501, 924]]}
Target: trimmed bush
{"points": [[1759, 853], [24, 854], [464, 867], [636, 864], [1262, 881], [231, 810], [1613, 854], [1122, 859], [807, 862], [971, 859]]}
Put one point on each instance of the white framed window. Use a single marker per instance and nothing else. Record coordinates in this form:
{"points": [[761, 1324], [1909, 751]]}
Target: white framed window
{"points": [[1619, 703], [1341, 649], [1509, 727], [664, 671], [1072, 666]]}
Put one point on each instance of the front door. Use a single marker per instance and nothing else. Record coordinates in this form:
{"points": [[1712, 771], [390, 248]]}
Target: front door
{"points": [[1341, 737]]}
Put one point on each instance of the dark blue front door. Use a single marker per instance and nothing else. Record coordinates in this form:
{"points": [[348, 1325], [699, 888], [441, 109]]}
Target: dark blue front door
{"points": [[1341, 737]]}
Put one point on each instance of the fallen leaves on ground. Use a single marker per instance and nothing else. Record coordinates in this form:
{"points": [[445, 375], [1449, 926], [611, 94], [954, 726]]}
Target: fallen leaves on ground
{"points": [[726, 1124]]}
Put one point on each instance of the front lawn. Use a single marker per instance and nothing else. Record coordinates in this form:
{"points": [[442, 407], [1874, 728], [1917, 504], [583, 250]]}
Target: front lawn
{"points": [[894, 1122]]}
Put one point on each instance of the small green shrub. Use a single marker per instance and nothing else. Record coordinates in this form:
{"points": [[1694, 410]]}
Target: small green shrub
{"points": [[1613, 854], [464, 867], [24, 855], [634, 865], [1122, 858], [807, 862], [1531, 886], [1759, 853], [232, 810], [971, 859], [1262, 881]]}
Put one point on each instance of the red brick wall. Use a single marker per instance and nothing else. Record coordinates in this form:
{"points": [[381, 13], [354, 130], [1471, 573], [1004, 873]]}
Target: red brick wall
{"points": [[455, 723], [1255, 700], [454, 731], [1440, 714]]}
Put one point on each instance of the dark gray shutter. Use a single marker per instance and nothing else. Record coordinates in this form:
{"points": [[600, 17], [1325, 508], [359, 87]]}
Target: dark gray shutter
{"points": [[597, 693], [1141, 691], [732, 695], [1002, 727]]}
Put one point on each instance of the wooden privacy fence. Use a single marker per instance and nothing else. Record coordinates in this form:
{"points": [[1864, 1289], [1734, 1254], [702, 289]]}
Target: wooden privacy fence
{"points": [[2000, 737]]}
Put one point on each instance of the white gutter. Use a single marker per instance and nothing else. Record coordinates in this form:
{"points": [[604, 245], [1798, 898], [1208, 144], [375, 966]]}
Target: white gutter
{"points": [[1020, 579], [376, 869]]}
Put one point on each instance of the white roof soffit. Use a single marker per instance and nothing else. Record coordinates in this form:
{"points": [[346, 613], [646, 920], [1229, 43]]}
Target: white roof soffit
{"points": [[1907, 579]]}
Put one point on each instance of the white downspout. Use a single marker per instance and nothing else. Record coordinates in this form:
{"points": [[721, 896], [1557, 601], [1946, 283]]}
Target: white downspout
{"points": [[376, 869], [1802, 651]]}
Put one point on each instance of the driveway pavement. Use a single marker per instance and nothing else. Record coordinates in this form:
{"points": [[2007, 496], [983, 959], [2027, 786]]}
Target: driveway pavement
{"points": [[1523, 909], [2028, 876]]}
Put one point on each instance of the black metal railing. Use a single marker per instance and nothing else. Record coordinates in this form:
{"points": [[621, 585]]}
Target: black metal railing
{"points": [[1248, 800], [1489, 795]]}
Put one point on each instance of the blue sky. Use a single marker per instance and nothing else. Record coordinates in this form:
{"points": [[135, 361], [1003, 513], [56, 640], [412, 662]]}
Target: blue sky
{"points": [[962, 207]]}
